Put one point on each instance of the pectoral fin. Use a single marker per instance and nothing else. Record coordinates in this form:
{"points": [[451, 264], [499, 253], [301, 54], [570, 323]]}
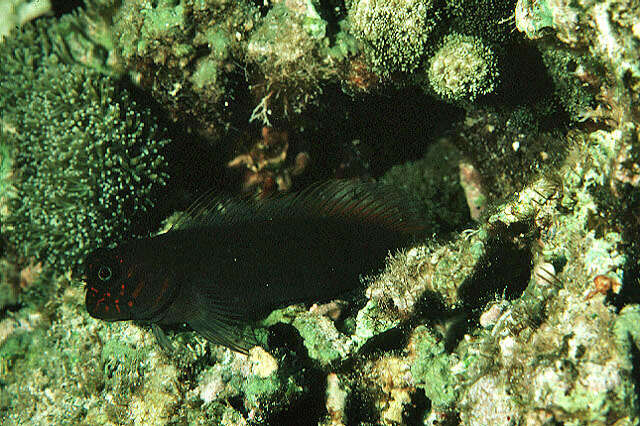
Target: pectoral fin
{"points": [[217, 330], [162, 338]]}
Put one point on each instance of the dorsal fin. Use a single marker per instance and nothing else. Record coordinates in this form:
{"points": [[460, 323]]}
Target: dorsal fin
{"points": [[347, 200], [211, 209]]}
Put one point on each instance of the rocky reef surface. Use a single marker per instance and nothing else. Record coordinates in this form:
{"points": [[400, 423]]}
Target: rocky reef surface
{"points": [[515, 123]]}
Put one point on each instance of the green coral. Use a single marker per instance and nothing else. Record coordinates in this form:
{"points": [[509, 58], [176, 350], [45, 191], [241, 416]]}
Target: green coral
{"points": [[9, 281], [431, 369], [16, 346], [88, 157], [464, 68], [6, 166], [324, 343], [321, 338], [491, 20], [86, 37], [209, 69], [627, 332], [534, 18], [20, 62], [164, 18], [122, 365], [393, 33], [267, 386]]}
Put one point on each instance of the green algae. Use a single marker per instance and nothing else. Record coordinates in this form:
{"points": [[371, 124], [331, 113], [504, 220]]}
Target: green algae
{"points": [[323, 341], [206, 74], [6, 166], [626, 330], [186, 54], [369, 323]]}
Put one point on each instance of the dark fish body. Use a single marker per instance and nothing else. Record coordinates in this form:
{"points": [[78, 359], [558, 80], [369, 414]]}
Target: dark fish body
{"points": [[230, 263]]}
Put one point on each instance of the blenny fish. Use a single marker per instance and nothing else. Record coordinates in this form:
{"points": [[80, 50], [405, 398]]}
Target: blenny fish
{"points": [[227, 263]]}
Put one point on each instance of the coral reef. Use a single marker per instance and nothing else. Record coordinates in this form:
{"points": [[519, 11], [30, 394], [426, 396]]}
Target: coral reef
{"points": [[463, 68], [186, 53], [264, 163], [393, 33], [288, 49], [612, 40], [83, 172], [434, 181], [520, 306]]}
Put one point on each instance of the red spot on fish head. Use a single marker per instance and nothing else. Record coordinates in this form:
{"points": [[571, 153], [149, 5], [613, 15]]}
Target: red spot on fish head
{"points": [[105, 285], [128, 284]]}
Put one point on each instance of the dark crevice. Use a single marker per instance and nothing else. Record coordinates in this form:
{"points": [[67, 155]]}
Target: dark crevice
{"points": [[14, 307], [361, 408], [414, 412], [286, 344], [399, 123], [635, 368], [285, 337], [503, 271], [62, 7], [391, 340], [309, 409], [237, 403], [620, 212], [262, 6]]}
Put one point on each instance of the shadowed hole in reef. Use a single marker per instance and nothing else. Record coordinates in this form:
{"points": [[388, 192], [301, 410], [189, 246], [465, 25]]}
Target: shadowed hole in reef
{"points": [[309, 408], [430, 307], [286, 337], [414, 411], [630, 290], [237, 403], [61, 7], [635, 369], [502, 271], [390, 340], [283, 341], [399, 123], [12, 307], [620, 212], [361, 408]]}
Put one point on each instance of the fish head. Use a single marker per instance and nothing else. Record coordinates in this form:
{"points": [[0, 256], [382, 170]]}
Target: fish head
{"points": [[121, 286], [106, 286]]}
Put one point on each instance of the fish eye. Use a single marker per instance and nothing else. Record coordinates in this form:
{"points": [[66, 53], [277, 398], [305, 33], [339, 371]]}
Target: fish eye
{"points": [[104, 273]]}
